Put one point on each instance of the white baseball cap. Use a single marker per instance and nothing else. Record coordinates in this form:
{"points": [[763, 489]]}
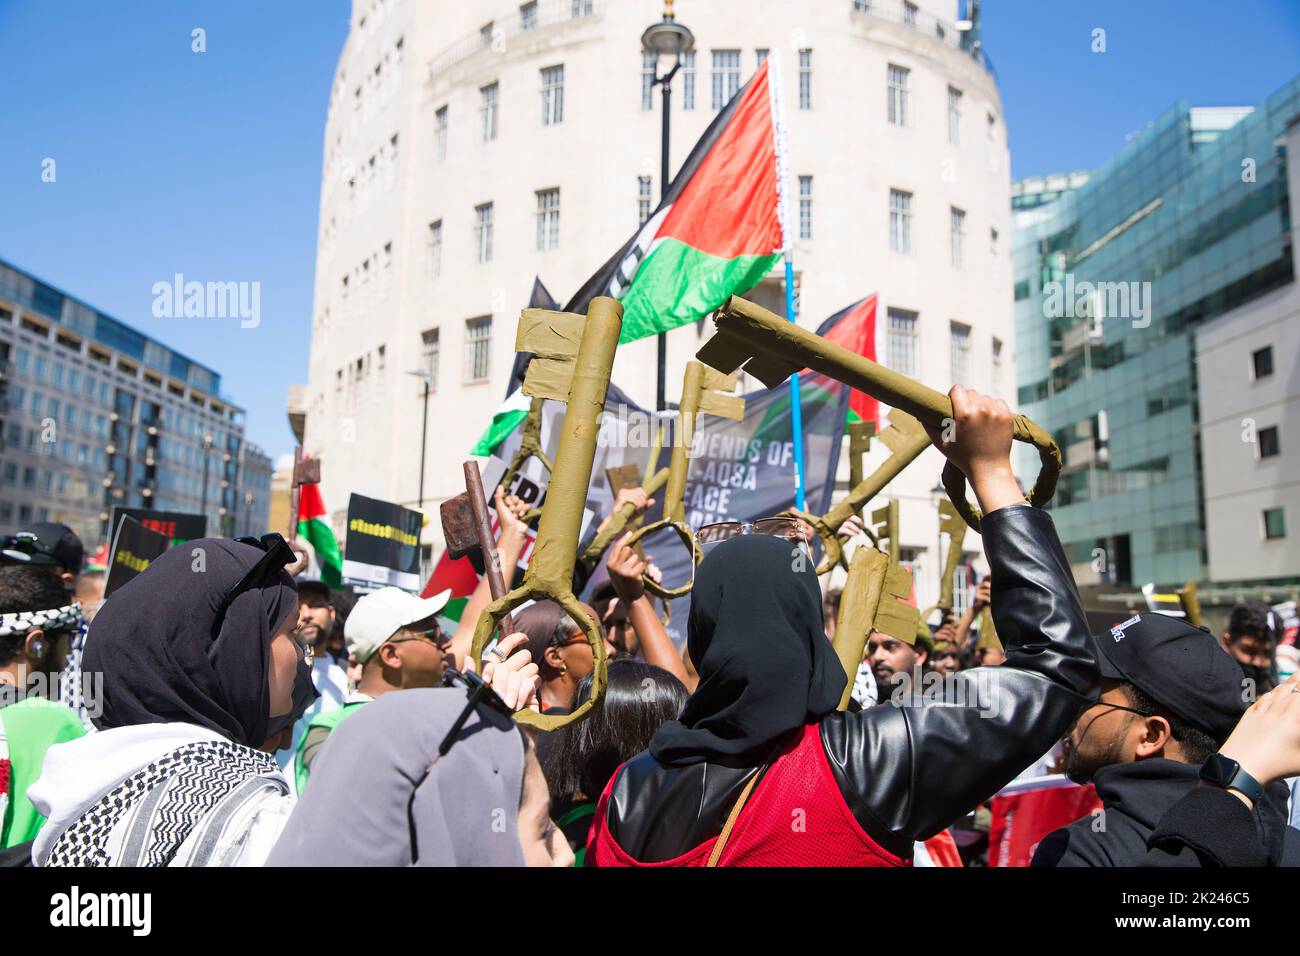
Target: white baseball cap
{"points": [[381, 614]]}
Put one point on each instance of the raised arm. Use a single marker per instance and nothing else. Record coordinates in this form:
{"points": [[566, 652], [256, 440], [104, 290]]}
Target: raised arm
{"points": [[909, 768], [626, 568], [510, 543]]}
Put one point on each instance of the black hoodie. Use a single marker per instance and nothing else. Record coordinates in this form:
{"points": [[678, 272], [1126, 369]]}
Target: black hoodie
{"points": [[1135, 796]]}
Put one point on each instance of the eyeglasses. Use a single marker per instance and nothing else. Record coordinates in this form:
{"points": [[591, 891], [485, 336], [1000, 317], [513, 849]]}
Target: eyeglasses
{"points": [[1131, 710], [434, 636], [789, 528]]}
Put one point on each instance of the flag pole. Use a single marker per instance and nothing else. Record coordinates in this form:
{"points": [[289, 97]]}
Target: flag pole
{"points": [[777, 94]]}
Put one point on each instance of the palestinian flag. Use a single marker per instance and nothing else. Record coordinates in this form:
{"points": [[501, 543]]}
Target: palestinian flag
{"points": [[719, 229], [314, 527], [854, 328]]}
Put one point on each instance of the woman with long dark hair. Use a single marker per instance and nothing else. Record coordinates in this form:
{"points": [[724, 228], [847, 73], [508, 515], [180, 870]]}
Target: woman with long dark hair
{"points": [[580, 758]]}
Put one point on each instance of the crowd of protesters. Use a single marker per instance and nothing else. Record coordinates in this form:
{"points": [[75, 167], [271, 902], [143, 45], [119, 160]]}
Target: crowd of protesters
{"points": [[230, 711]]}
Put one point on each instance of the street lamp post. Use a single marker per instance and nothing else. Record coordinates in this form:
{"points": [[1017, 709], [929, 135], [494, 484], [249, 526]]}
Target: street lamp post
{"points": [[207, 446], [670, 37], [423, 375]]}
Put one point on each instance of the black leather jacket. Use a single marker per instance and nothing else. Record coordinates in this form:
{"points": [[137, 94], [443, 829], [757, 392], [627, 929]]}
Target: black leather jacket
{"points": [[906, 772]]}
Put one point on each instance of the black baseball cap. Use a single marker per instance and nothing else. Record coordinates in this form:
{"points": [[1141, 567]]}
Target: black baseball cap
{"points": [[1181, 667], [313, 585], [46, 543]]}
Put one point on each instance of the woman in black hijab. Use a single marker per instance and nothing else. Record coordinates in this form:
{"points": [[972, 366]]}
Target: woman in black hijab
{"points": [[201, 675], [763, 770]]}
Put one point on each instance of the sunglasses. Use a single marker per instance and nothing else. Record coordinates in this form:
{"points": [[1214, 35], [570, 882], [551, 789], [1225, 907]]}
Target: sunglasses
{"points": [[23, 546], [276, 557], [789, 528]]}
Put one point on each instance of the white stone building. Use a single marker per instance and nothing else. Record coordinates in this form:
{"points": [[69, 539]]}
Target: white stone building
{"points": [[471, 147]]}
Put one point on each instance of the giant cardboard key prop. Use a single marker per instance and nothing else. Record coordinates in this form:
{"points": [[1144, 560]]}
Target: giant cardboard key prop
{"points": [[572, 359], [619, 520], [771, 349], [874, 599], [703, 391], [530, 445], [950, 523], [906, 439]]}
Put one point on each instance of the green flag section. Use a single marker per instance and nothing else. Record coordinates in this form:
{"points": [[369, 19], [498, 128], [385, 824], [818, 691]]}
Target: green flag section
{"points": [[716, 233], [505, 420], [678, 285], [313, 526]]}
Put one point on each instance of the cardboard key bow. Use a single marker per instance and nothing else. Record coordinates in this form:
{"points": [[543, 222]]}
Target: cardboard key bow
{"points": [[950, 523], [771, 349], [572, 359], [703, 391], [874, 599], [906, 439]]}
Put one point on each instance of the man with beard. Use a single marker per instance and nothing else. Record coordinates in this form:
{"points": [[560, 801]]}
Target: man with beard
{"points": [[890, 659], [1169, 699], [330, 678], [1251, 640]]}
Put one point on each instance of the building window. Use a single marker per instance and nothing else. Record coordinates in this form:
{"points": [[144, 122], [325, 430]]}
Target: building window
{"points": [[805, 207], [488, 110], [900, 221], [902, 342], [960, 352], [429, 357], [805, 79], [688, 80], [909, 13], [440, 134], [528, 16], [958, 220], [1274, 524], [991, 124], [726, 76], [993, 242], [548, 219], [643, 199], [485, 33], [954, 116], [552, 95], [581, 8], [648, 61], [996, 377], [483, 231], [478, 348], [898, 95], [1261, 363], [1269, 446], [760, 56], [435, 248]]}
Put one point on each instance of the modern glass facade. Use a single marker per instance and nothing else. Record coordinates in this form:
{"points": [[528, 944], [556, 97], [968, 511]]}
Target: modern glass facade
{"points": [[1188, 221], [95, 414]]}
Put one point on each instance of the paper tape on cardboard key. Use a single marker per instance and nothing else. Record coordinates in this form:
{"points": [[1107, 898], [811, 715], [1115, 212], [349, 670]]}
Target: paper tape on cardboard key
{"points": [[771, 349], [905, 439], [874, 599], [704, 391], [530, 444], [572, 359]]}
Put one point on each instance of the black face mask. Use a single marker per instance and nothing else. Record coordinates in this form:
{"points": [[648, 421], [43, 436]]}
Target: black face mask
{"points": [[1262, 676], [304, 695]]}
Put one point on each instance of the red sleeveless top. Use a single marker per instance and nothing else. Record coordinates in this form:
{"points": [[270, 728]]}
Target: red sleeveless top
{"points": [[796, 816]]}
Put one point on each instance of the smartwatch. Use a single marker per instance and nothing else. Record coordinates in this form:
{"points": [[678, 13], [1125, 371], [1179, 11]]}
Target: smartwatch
{"points": [[1227, 773]]}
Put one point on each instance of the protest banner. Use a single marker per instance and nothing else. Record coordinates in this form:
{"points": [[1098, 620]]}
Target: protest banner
{"points": [[383, 544], [134, 547], [1025, 811], [177, 526]]}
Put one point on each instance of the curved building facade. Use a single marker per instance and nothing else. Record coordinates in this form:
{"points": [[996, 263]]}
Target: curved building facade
{"points": [[471, 148]]}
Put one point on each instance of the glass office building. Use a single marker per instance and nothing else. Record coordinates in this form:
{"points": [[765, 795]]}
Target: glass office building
{"points": [[95, 414], [1114, 271]]}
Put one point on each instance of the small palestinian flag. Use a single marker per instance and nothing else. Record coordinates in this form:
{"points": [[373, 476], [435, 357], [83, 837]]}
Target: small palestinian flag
{"points": [[854, 328], [717, 232], [313, 526]]}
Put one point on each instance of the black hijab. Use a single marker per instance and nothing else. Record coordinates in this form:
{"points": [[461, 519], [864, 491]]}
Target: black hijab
{"points": [[172, 646], [765, 665]]}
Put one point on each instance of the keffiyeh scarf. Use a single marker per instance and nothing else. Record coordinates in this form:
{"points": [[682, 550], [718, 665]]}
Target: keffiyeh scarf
{"points": [[191, 792]]}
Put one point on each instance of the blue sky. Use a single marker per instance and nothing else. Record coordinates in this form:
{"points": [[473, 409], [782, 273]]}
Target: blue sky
{"points": [[209, 164]]}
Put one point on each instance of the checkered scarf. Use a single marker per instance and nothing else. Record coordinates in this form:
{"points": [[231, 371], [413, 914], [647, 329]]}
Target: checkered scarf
{"points": [[50, 619]]}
